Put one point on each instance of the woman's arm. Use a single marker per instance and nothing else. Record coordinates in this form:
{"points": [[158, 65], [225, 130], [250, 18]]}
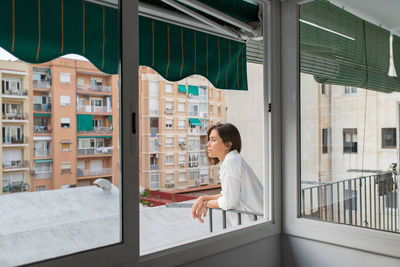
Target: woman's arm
{"points": [[199, 208]]}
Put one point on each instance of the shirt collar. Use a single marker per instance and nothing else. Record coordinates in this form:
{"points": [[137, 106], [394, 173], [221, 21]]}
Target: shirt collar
{"points": [[229, 155]]}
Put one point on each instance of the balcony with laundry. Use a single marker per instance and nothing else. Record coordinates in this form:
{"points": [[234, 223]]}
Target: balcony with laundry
{"points": [[94, 146], [99, 105], [93, 85], [41, 79], [12, 88], [14, 112], [89, 124], [42, 123], [94, 168]]}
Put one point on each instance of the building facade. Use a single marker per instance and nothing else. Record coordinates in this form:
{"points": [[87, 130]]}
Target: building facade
{"points": [[174, 117]]}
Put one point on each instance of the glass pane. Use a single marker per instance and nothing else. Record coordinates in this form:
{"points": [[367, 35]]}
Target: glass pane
{"points": [[51, 112], [355, 180]]}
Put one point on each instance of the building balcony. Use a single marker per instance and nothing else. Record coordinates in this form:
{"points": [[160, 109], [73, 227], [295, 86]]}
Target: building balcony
{"points": [[154, 167], [15, 140], [41, 152], [193, 164], [94, 109], [194, 131], [15, 116], [15, 165], [95, 172], [94, 88], [42, 84], [169, 111], [42, 107], [97, 130], [153, 112], [18, 94], [95, 151], [41, 129], [42, 175], [154, 130], [15, 187]]}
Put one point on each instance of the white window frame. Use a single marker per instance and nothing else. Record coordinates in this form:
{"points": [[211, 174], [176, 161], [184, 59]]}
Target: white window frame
{"points": [[339, 235], [169, 88], [181, 124], [181, 107], [169, 123], [169, 162], [65, 120], [65, 100], [167, 143], [65, 77], [127, 252]]}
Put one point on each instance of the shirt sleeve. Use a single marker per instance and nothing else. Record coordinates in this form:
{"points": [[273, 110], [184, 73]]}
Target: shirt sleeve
{"points": [[231, 193]]}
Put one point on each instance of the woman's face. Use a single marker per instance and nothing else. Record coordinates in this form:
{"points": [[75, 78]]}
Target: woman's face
{"points": [[216, 147]]}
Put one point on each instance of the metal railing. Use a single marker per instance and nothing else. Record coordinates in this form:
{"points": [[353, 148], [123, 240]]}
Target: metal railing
{"points": [[41, 129], [154, 130], [154, 167], [14, 164], [193, 131], [16, 93], [43, 175], [104, 130], [94, 88], [42, 107], [17, 116], [41, 152], [367, 201], [41, 84], [95, 151], [14, 140], [90, 172], [96, 109], [238, 212]]}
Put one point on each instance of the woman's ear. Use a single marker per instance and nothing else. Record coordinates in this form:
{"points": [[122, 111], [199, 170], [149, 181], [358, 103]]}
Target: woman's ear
{"points": [[229, 145]]}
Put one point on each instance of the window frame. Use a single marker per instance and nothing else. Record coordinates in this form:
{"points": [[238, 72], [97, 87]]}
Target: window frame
{"points": [[127, 252], [394, 137], [363, 239]]}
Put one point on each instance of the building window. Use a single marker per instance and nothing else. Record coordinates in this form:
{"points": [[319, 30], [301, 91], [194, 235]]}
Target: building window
{"points": [[65, 100], [169, 141], [324, 88], [324, 141], [153, 107], [169, 159], [182, 177], [65, 77], [181, 107], [169, 179], [168, 124], [350, 90], [154, 181], [153, 89], [350, 140], [219, 110], [168, 88], [388, 137], [41, 188], [182, 142], [181, 124], [203, 93], [218, 94], [194, 145], [193, 110], [194, 175], [169, 107], [66, 146], [182, 159], [210, 92], [211, 109], [65, 167], [65, 122], [193, 160]]}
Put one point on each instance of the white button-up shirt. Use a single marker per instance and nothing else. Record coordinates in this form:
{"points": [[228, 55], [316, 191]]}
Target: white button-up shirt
{"points": [[241, 189]]}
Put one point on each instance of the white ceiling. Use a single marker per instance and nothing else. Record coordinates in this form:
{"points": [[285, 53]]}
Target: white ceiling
{"points": [[385, 13]]}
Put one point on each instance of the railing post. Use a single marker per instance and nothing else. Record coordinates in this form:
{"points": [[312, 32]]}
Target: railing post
{"points": [[325, 205], [223, 219], [240, 219], [210, 220], [332, 215], [338, 202]]}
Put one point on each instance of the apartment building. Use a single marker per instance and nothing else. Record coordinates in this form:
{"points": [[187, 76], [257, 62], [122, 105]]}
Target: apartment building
{"points": [[173, 130], [57, 125], [15, 125]]}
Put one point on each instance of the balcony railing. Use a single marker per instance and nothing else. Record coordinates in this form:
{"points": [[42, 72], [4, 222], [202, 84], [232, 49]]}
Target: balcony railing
{"points": [[42, 152], [193, 131], [14, 140], [154, 130], [368, 201], [90, 172], [41, 129], [14, 164], [153, 112], [95, 151], [154, 167], [42, 107], [169, 111], [95, 109], [15, 187], [94, 88], [15, 116], [254, 215], [103, 130], [16, 93], [43, 175], [41, 84]]}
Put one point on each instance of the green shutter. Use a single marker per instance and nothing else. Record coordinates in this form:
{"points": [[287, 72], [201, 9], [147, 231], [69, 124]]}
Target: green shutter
{"points": [[41, 114], [43, 160], [111, 122], [340, 48], [396, 54], [195, 121], [182, 88], [85, 122], [193, 90]]}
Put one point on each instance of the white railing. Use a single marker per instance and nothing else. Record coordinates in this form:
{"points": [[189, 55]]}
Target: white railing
{"points": [[193, 131], [95, 151], [104, 130], [43, 175], [41, 84], [96, 109], [90, 172], [15, 116], [13, 164], [16, 93], [42, 152], [153, 112], [94, 88]]}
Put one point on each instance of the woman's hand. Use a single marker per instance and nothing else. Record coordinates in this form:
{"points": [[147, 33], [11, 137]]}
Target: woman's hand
{"points": [[199, 209]]}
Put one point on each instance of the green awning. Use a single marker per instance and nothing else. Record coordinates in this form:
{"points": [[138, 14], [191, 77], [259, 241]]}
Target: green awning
{"points": [[111, 123], [340, 48], [193, 90], [396, 54], [96, 136], [182, 88], [46, 29], [41, 114], [85, 122], [194, 121], [43, 160]]}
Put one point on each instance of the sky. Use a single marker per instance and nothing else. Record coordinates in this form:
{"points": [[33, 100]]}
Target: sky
{"points": [[4, 55]]}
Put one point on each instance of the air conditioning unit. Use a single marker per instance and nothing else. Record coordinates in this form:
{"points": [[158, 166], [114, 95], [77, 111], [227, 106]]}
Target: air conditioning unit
{"points": [[182, 164], [33, 172], [169, 185]]}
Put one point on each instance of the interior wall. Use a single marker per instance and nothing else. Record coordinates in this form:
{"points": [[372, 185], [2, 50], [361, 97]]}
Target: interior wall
{"points": [[300, 252], [265, 252]]}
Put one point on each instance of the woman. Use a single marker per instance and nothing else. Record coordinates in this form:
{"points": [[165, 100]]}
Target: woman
{"points": [[241, 189]]}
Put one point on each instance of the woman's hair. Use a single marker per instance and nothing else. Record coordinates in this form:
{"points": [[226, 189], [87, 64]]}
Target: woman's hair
{"points": [[228, 133]]}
